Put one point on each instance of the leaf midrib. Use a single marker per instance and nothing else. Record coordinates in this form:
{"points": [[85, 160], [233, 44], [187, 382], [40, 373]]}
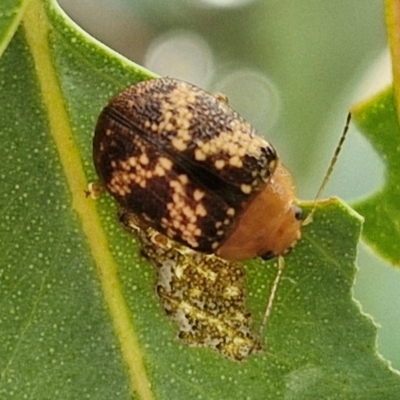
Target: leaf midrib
{"points": [[37, 30]]}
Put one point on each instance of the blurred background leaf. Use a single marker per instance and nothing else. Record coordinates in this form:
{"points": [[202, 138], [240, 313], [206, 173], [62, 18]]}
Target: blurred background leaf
{"points": [[377, 117], [393, 33]]}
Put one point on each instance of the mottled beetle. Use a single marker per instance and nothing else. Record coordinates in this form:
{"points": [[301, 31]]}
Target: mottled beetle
{"points": [[190, 167]]}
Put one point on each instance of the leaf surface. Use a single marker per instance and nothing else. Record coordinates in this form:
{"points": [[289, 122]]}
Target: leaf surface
{"points": [[11, 12]]}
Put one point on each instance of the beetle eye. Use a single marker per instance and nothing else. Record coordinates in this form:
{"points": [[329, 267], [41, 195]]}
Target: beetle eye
{"points": [[268, 255], [298, 213]]}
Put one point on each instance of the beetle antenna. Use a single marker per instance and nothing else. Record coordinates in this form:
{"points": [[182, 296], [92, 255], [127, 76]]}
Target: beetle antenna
{"points": [[329, 171], [308, 219], [275, 284]]}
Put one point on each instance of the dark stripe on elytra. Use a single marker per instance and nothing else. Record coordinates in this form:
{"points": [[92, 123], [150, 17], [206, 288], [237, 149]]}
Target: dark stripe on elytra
{"points": [[206, 179]]}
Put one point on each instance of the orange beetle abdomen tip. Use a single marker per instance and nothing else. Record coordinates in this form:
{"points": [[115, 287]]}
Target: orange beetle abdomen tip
{"points": [[270, 224]]}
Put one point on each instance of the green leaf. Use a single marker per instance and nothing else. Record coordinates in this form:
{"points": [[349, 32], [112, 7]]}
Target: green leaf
{"points": [[378, 121], [79, 316], [11, 12]]}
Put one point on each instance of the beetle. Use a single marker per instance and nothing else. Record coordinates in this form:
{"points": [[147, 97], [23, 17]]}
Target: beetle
{"points": [[189, 166]]}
